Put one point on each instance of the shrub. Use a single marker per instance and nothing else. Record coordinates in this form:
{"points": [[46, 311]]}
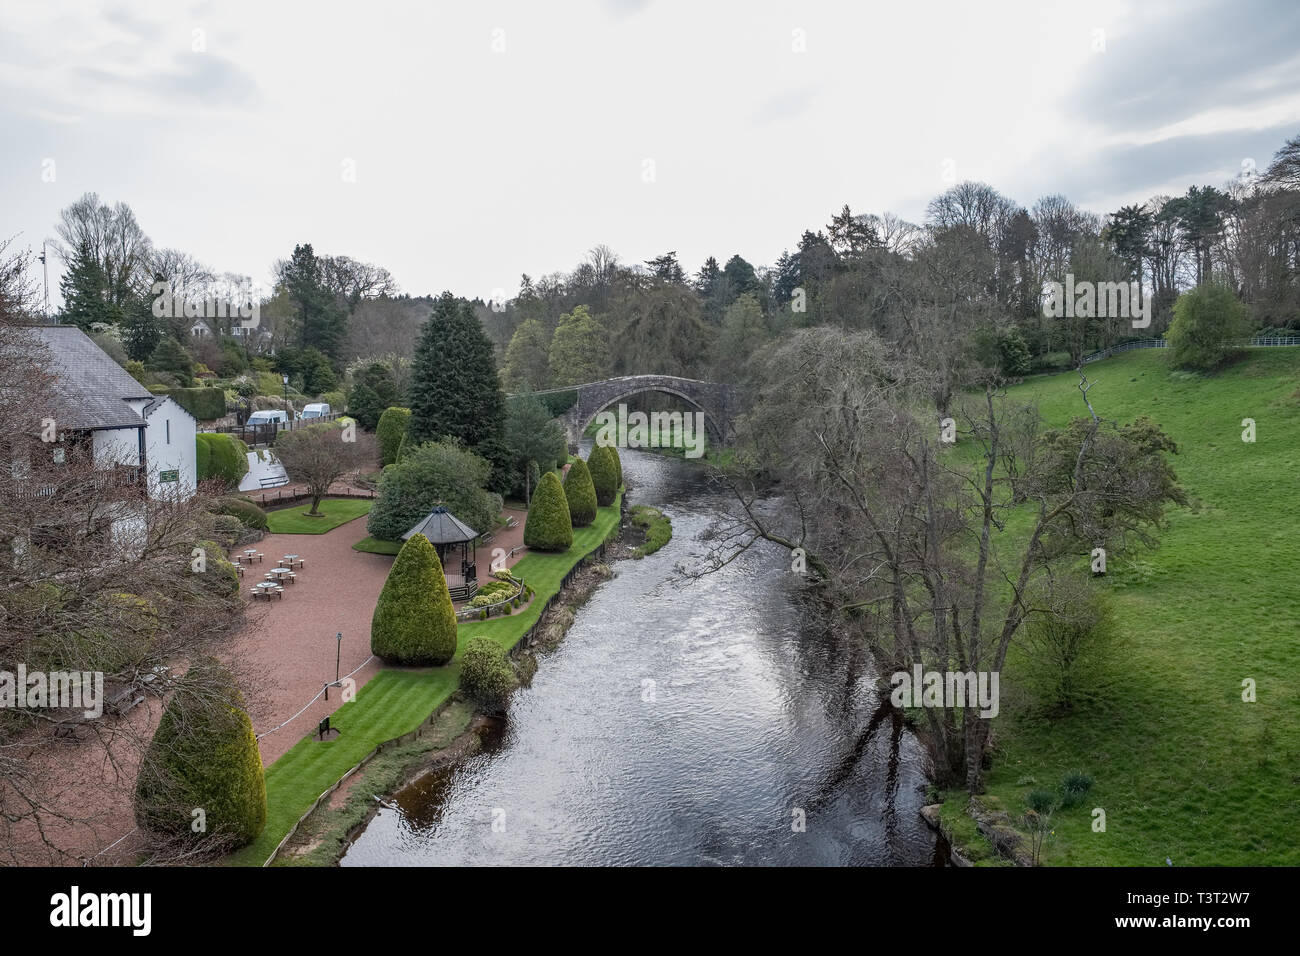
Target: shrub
{"points": [[485, 672], [602, 464], [203, 755], [1208, 321], [414, 622], [549, 527], [220, 574], [1074, 787], [220, 456], [439, 472], [1069, 641], [581, 494], [248, 513], [390, 431], [205, 404]]}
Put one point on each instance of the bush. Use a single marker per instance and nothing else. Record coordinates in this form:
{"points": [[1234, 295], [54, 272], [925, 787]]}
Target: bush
{"points": [[549, 527], [602, 464], [1208, 321], [248, 513], [205, 404], [414, 622], [1069, 641], [220, 574], [336, 401], [220, 456], [439, 472], [485, 672], [581, 494], [1074, 787], [203, 755], [390, 431]]}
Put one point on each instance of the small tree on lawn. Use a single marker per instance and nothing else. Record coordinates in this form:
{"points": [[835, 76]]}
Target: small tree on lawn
{"points": [[320, 455], [549, 527], [486, 674], [204, 757], [581, 494], [603, 466], [1208, 321], [414, 622]]}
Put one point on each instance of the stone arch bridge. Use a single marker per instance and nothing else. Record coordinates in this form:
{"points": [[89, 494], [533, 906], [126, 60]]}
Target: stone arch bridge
{"points": [[716, 400]]}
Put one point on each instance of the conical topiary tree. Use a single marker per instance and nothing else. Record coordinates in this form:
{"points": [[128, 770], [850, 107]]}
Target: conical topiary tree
{"points": [[618, 466], [414, 622], [603, 466], [203, 757], [581, 494], [390, 431], [549, 527]]}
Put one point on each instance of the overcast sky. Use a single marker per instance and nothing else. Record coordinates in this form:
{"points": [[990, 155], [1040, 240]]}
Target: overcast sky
{"points": [[487, 139]]}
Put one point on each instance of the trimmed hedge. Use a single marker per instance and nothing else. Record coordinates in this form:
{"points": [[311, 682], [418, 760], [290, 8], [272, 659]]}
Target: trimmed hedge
{"points": [[203, 756], [390, 431], [486, 674], [549, 527], [602, 463], [249, 514], [414, 621], [581, 494], [221, 456], [205, 404]]}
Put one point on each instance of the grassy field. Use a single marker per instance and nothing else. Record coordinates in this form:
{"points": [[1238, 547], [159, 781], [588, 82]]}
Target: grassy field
{"points": [[1185, 770], [336, 511], [395, 702]]}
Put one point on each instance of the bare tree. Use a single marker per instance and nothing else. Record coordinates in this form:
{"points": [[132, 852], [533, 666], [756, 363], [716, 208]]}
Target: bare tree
{"points": [[320, 455]]}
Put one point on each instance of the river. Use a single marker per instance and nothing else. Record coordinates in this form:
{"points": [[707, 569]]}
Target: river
{"points": [[696, 725]]}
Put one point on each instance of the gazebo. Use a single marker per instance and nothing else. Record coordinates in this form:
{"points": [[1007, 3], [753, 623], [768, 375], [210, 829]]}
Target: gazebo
{"points": [[444, 531]]}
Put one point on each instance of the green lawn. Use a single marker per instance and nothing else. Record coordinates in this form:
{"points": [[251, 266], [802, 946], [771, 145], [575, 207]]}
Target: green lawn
{"points": [[1184, 769], [395, 702], [336, 511], [377, 546]]}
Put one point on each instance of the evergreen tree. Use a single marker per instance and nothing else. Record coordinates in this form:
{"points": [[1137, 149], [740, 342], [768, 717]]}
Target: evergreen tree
{"points": [[414, 622], [321, 323], [581, 494], [527, 357], [172, 358], [549, 526], [534, 438], [454, 387], [579, 349], [85, 294]]}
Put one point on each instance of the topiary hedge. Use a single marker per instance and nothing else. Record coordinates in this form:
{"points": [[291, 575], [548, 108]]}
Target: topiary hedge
{"points": [[549, 527], [203, 756], [414, 622], [390, 431], [220, 456], [486, 674], [581, 494], [249, 514], [205, 404], [602, 463]]}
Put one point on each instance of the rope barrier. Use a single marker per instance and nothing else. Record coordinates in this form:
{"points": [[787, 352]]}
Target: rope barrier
{"points": [[318, 696]]}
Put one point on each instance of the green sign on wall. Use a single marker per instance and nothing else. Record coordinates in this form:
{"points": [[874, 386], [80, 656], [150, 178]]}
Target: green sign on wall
{"points": [[169, 476]]}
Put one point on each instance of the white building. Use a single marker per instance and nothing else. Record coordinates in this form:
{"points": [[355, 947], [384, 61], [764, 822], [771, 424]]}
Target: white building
{"points": [[142, 437]]}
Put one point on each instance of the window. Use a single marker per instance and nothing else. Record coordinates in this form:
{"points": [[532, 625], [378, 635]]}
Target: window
{"points": [[168, 423]]}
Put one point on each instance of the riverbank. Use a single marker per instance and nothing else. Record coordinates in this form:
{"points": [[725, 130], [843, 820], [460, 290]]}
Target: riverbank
{"points": [[453, 735], [399, 704]]}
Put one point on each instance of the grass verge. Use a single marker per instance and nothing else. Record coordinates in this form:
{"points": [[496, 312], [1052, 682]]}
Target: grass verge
{"points": [[335, 511]]}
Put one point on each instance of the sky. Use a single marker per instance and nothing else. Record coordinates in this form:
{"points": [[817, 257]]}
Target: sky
{"points": [[462, 144]]}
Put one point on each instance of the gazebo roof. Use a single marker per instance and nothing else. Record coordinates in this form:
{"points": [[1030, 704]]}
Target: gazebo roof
{"points": [[443, 527]]}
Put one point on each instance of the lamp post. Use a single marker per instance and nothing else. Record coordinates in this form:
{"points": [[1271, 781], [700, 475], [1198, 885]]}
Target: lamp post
{"points": [[286, 387], [338, 655]]}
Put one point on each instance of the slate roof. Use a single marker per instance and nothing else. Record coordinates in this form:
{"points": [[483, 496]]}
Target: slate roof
{"points": [[443, 527], [92, 390]]}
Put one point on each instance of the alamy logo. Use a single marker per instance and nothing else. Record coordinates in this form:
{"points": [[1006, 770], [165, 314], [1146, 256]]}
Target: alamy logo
{"points": [[175, 304], [947, 689], [102, 909], [57, 689], [656, 430], [1115, 300]]}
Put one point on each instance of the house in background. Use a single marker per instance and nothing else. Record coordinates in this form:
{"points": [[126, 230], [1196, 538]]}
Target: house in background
{"points": [[138, 438]]}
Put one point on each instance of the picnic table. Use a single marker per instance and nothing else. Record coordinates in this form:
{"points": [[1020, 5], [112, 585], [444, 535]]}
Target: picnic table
{"points": [[281, 574], [292, 560], [268, 588], [252, 554]]}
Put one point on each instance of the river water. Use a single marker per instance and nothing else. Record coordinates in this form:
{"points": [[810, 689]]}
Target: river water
{"points": [[678, 725]]}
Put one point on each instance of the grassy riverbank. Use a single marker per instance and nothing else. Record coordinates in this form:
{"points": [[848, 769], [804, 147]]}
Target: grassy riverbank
{"points": [[396, 702], [1184, 769]]}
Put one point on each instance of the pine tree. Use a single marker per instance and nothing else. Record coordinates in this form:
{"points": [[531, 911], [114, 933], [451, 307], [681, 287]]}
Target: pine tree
{"points": [[322, 323], [85, 294], [454, 387]]}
